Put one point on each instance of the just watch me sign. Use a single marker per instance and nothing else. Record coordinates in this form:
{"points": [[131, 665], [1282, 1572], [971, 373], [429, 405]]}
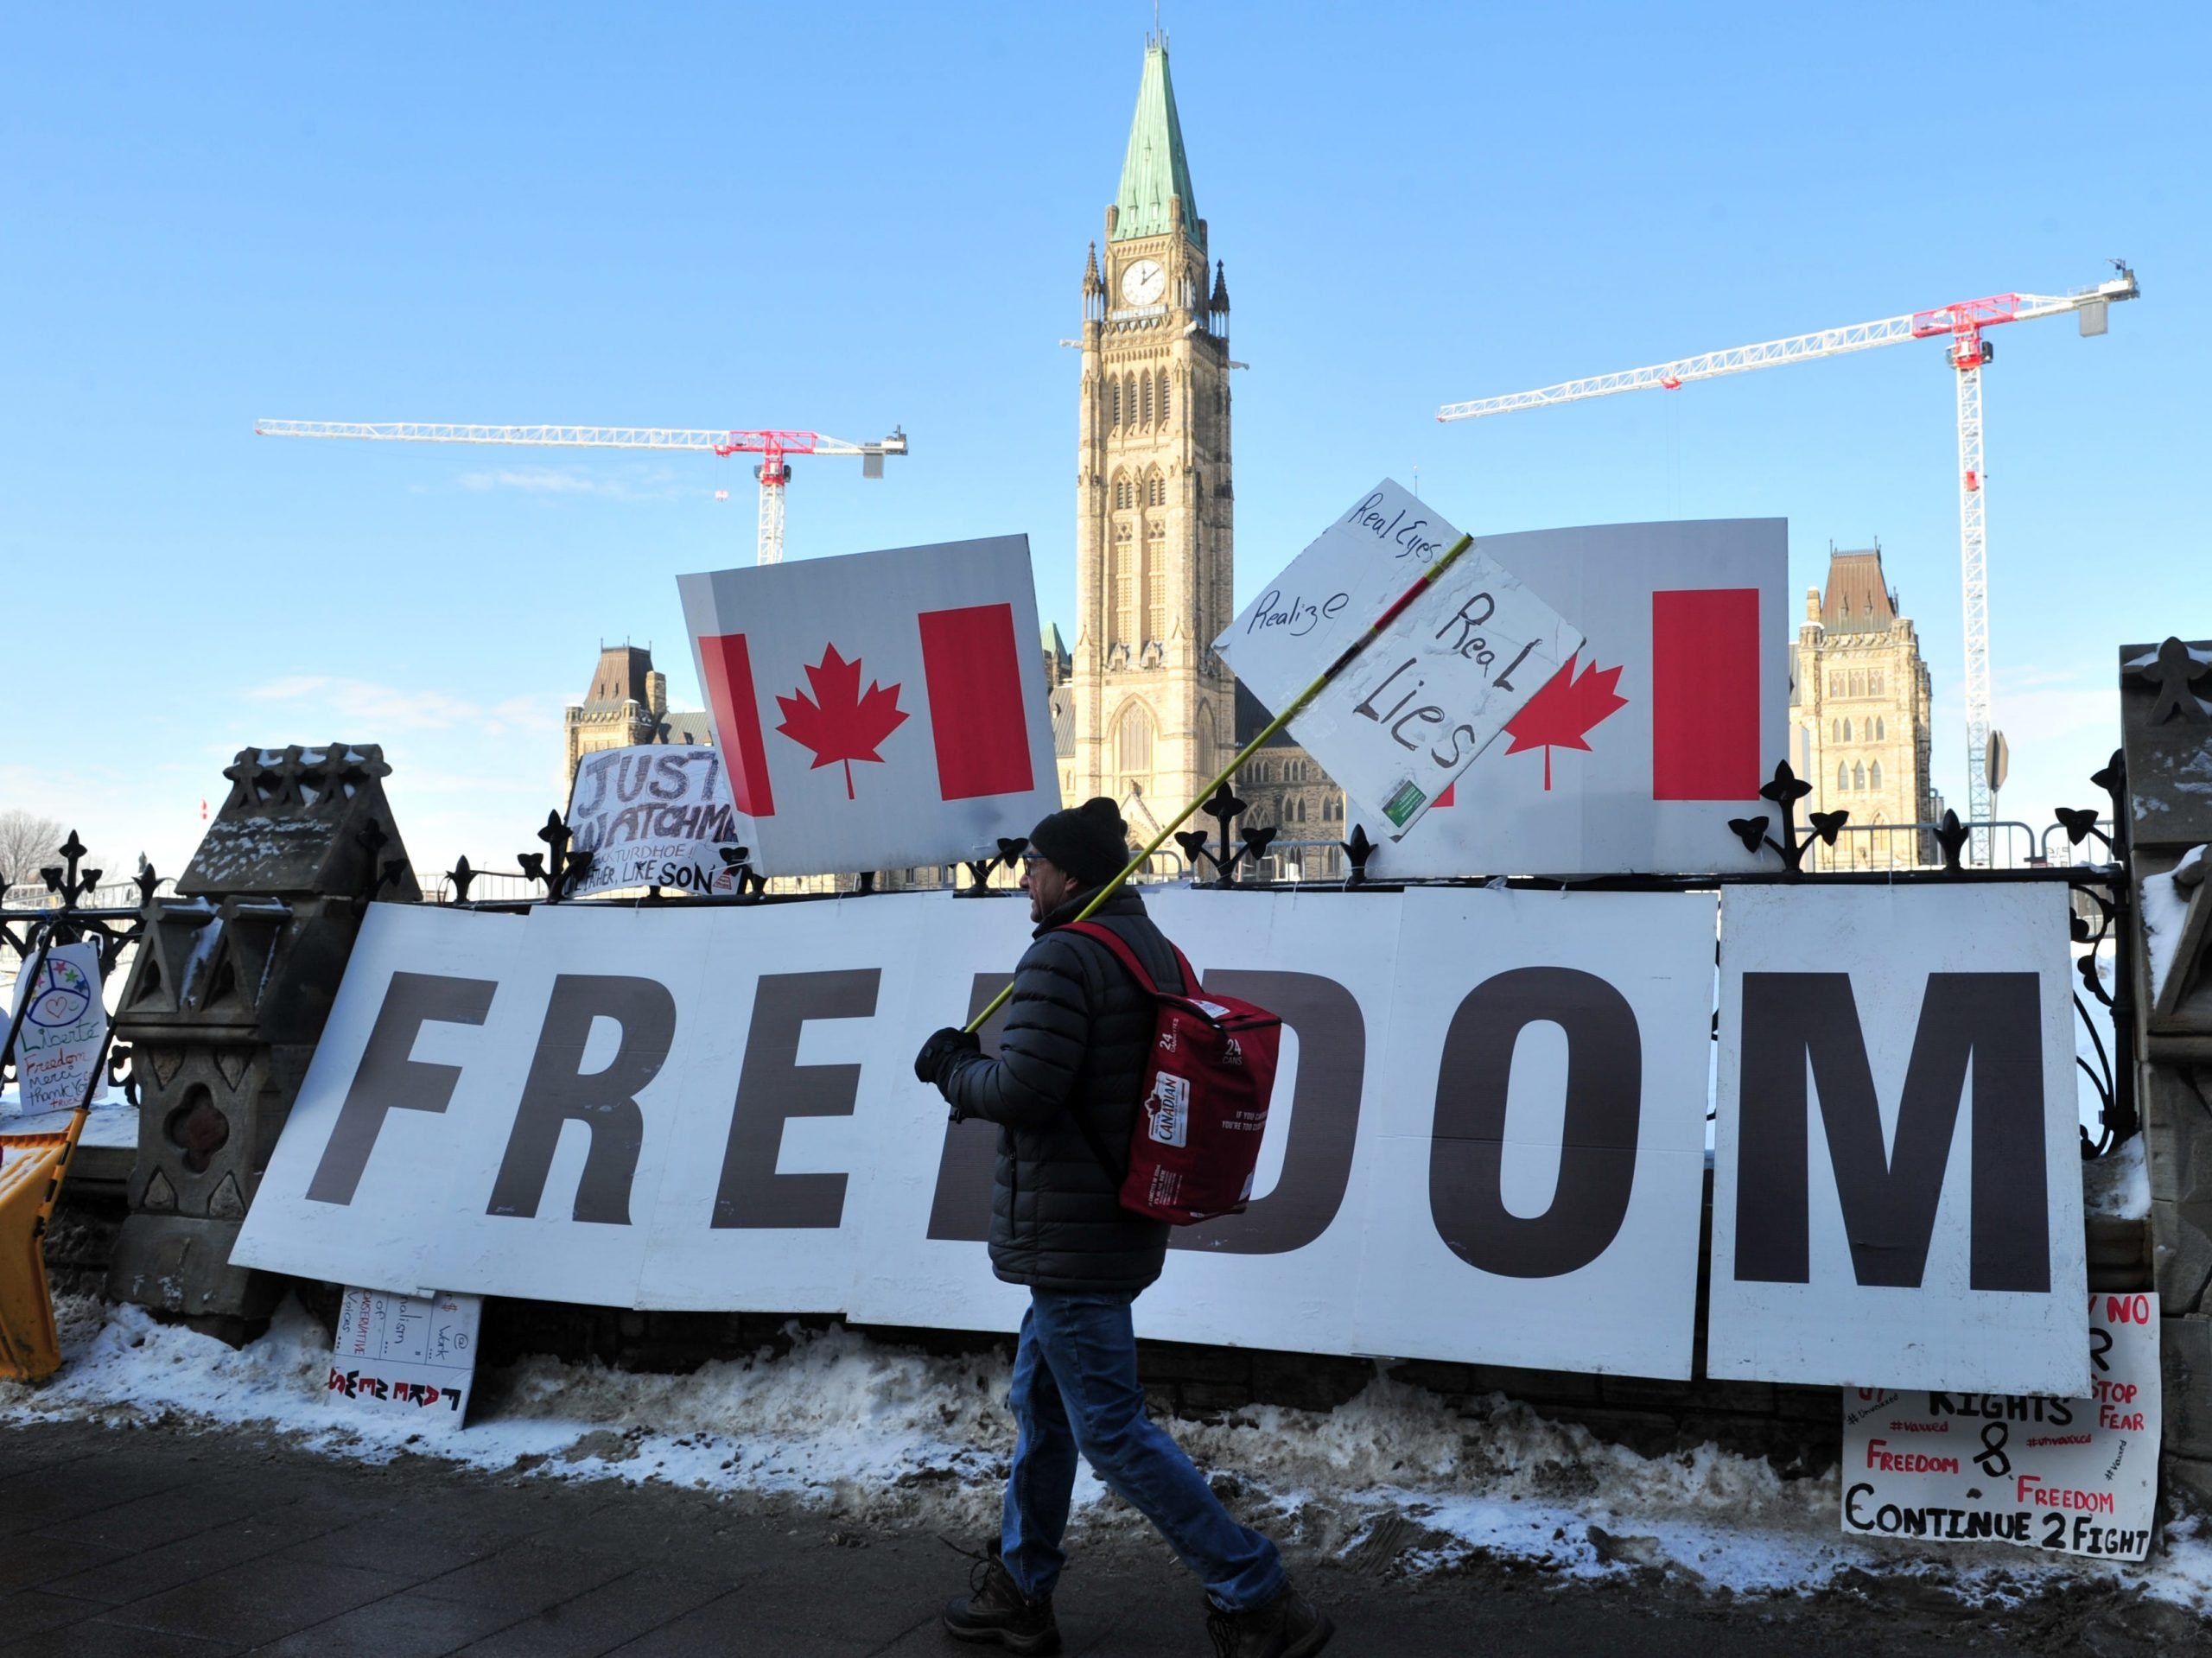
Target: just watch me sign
{"points": [[1488, 1140]]}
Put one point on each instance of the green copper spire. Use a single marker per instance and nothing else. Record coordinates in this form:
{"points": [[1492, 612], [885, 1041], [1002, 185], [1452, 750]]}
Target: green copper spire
{"points": [[1155, 167]]}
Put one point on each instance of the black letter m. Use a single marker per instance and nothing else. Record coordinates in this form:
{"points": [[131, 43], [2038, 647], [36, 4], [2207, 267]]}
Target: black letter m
{"points": [[1796, 1022]]}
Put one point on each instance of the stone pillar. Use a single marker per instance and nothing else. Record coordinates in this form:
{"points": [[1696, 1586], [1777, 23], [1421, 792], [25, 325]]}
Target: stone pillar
{"points": [[2166, 695], [226, 999]]}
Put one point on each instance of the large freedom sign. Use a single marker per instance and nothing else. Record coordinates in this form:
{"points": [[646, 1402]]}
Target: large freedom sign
{"points": [[1896, 1198], [1487, 1142]]}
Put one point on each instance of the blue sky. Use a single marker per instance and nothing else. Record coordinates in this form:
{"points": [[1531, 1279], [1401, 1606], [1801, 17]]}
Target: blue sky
{"points": [[846, 219]]}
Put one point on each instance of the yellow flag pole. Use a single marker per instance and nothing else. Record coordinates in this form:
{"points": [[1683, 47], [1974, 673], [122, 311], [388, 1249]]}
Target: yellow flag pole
{"points": [[1297, 705]]}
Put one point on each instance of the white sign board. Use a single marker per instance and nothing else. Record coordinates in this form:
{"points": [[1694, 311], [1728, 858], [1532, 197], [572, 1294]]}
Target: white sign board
{"points": [[1486, 1143], [880, 710], [64, 1022], [2076, 1475], [653, 817], [1896, 1187], [1409, 715], [406, 1355], [1664, 727]]}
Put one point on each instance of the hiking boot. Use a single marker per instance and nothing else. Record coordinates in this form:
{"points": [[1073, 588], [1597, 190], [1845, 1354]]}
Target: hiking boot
{"points": [[1288, 1626], [995, 1612]]}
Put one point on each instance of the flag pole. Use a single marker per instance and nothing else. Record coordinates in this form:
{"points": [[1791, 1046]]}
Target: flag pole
{"points": [[1321, 683]]}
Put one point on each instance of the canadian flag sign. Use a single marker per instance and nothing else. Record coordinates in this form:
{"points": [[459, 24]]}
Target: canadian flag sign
{"points": [[880, 710], [1636, 753]]}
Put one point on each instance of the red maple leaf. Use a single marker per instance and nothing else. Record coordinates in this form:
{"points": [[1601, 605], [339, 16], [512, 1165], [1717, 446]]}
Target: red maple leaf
{"points": [[839, 722], [1559, 715]]}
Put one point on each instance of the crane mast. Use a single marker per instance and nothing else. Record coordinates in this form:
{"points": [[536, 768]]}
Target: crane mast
{"points": [[1962, 323], [773, 473]]}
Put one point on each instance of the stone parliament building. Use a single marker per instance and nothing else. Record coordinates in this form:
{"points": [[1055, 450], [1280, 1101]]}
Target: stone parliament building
{"points": [[1140, 708]]}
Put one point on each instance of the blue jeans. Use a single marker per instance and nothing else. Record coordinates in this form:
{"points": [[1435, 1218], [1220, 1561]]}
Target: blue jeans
{"points": [[1075, 1389]]}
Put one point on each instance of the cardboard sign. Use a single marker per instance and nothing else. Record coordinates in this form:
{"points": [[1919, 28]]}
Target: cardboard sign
{"points": [[2076, 1475], [880, 710], [58, 1044], [1410, 714], [1897, 1188], [1633, 757], [1486, 1140], [406, 1355], [653, 817]]}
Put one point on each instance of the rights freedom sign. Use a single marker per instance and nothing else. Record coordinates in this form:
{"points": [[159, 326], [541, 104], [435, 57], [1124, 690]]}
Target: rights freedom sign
{"points": [[2073, 1476], [1487, 1142]]}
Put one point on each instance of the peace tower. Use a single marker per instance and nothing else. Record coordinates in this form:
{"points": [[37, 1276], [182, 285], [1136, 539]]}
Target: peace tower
{"points": [[1155, 708]]}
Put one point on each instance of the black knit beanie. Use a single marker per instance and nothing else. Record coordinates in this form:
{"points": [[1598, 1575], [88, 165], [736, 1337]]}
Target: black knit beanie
{"points": [[1090, 842]]}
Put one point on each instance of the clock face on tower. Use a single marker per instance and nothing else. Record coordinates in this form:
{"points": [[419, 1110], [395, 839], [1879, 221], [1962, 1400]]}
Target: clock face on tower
{"points": [[1143, 283]]}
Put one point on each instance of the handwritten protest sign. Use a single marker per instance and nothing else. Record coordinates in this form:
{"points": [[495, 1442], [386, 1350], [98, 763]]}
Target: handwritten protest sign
{"points": [[63, 1025], [1401, 724], [409, 1355], [653, 817], [2075, 1476]]}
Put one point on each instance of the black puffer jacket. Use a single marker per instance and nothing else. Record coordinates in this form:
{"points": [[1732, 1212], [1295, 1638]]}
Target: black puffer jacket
{"points": [[1078, 1032]]}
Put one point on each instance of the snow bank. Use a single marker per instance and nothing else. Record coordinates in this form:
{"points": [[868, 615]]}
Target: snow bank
{"points": [[2165, 908], [1397, 1477], [2119, 1183]]}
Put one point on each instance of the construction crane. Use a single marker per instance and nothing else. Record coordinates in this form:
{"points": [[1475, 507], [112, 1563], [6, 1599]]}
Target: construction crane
{"points": [[1962, 324], [773, 470]]}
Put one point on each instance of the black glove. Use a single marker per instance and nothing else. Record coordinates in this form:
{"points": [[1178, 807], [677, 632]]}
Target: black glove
{"points": [[942, 1046]]}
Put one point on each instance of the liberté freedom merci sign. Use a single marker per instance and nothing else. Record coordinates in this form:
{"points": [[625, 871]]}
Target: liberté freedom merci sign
{"points": [[1488, 1141]]}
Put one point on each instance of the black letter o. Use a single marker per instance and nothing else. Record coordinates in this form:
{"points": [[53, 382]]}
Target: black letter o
{"points": [[1597, 1166]]}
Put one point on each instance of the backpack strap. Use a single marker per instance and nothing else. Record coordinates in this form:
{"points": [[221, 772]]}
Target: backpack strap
{"points": [[1119, 948]]}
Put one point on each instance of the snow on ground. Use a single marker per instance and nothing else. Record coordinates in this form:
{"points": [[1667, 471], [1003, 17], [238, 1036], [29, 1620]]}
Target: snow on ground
{"points": [[902, 1437]]}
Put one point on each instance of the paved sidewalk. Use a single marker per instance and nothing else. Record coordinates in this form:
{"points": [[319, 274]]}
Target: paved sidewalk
{"points": [[149, 1542]]}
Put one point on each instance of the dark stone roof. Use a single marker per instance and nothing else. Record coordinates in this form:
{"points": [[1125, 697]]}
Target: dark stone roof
{"points": [[1252, 717], [1857, 600], [1061, 699], [620, 677]]}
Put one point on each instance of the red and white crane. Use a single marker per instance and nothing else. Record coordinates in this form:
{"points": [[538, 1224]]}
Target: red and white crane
{"points": [[773, 447], [1963, 325]]}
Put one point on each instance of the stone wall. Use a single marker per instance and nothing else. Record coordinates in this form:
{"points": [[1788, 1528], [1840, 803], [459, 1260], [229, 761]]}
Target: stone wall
{"points": [[2165, 697]]}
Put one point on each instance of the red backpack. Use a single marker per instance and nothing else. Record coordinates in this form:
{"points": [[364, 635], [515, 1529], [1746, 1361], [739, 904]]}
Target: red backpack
{"points": [[1195, 1144]]}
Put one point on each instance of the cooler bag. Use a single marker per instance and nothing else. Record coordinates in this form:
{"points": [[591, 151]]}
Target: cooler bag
{"points": [[1195, 1144]]}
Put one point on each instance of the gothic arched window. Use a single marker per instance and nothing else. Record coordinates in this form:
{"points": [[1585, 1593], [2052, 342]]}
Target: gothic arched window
{"points": [[1113, 403], [1132, 740], [1847, 731], [1163, 397], [1842, 778], [1155, 491], [1858, 776], [1130, 398], [1125, 492], [1874, 775], [1881, 730], [1873, 684]]}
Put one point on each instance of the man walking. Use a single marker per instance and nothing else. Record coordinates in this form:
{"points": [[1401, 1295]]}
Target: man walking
{"points": [[1079, 1032]]}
